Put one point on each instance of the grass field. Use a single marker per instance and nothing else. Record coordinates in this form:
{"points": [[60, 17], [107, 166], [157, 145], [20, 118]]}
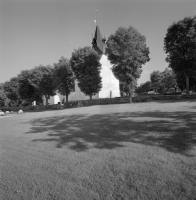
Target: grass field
{"points": [[120, 152]]}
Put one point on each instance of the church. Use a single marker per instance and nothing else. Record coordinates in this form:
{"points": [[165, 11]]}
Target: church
{"points": [[110, 85]]}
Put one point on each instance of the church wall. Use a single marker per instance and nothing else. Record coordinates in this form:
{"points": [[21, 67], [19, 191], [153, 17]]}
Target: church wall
{"points": [[110, 85]]}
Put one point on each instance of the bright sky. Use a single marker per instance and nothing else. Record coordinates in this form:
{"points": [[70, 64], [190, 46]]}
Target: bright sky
{"points": [[34, 32]]}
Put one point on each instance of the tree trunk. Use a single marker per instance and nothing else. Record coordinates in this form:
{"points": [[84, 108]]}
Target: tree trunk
{"points": [[67, 103], [46, 96], [91, 97], [130, 92], [187, 84]]}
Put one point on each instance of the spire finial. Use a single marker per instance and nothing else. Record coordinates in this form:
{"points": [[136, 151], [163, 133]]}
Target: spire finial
{"points": [[96, 17]]}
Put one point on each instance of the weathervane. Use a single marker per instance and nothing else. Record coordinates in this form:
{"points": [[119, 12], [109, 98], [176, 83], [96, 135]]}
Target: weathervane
{"points": [[95, 17]]}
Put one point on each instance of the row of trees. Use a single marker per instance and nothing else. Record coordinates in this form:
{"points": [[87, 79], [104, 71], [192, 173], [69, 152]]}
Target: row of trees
{"points": [[180, 48], [32, 85], [159, 81]]}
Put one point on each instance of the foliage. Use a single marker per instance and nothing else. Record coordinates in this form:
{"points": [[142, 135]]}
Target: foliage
{"points": [[35, 83], [145, 87], [1, 86], [11, 89], [181, 81], [156, 79], [44, 81], [86, 67], [180, 47], [127, 51], [163, 80], [64, 77], [169, 78], [27, 86], [4, 101]]}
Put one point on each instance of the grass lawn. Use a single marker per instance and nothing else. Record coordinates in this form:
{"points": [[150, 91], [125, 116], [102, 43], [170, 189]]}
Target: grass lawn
{"points": [[128, 151]]}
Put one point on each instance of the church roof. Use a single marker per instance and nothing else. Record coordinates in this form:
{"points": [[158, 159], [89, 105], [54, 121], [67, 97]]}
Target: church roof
{"points": [[98, 44]]}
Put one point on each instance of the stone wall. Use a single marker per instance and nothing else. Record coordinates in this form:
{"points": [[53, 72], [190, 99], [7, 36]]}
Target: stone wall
{"points": [[119, 100]]}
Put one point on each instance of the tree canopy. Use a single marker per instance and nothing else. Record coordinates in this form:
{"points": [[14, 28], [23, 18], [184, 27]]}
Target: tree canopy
{"points": [[163, 80], [64, 77], [11, 89], [27, 86], [180, 47], [35, 83], [145, 87], [86, 67], [156, 79], [43, 81], [127, 51]]}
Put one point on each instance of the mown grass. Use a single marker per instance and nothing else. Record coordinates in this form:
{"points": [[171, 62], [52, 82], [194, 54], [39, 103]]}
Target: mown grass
{"points": [[130, 151]]}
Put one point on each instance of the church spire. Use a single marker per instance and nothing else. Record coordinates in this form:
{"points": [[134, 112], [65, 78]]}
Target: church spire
{"points": [[98, 42]]}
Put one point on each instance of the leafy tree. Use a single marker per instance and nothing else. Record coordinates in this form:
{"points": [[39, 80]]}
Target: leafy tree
{"points": [[163, 80], [86, 67], [168, 79], [11, 89], [27, 85], [181, 81], [1, 86], [43, 81], [144, 87], [127, 51], [4, 101], [37, 82], [64, 77], [156, 80], [180, 47]]}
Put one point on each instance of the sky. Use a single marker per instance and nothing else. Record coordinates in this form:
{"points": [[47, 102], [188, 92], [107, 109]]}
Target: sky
{"points": [[40, 32]]}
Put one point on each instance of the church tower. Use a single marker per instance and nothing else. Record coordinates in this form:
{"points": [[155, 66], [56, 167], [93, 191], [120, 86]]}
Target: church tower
{"points": [[110, 85]]}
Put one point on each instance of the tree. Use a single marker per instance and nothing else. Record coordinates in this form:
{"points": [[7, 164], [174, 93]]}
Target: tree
{"points": [[180, 47], [37, 82], [86, 67], [144, 87], [163, 80], [64, 77], [156, 78], [4, 101], [1, 86], [168, 79], [181, 81], [127, 51], [43, 81], [27, 85], [11, 89]]}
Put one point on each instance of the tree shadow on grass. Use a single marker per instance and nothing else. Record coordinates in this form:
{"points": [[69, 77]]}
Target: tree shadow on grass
{"points": [[173, 131]]}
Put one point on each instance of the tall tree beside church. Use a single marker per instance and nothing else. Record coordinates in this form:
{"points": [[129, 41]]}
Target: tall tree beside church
{"points": [[64, 77], [180, 47], [86, 67], [127, 51]]}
